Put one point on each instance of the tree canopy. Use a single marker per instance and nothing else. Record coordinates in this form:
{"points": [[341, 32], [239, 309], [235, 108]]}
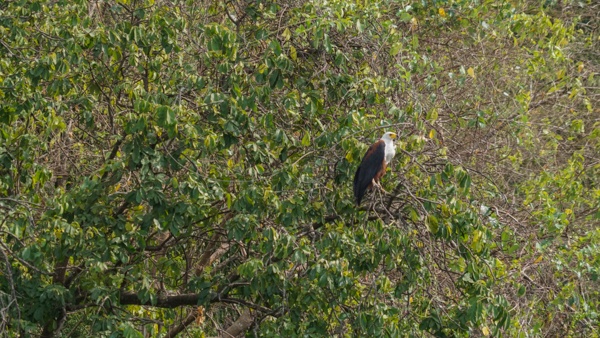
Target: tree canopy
{"points": [[184, 168]]}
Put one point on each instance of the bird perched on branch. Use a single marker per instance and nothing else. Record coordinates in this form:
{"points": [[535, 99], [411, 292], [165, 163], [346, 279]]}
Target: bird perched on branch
{"points": [[373, 165]]}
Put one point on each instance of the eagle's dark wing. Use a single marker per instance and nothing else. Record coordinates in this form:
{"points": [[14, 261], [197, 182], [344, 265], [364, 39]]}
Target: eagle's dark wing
{"points": [[371, 164]]}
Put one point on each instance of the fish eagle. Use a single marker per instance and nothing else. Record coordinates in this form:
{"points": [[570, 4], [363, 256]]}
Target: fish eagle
{"points": [[373, 165]]}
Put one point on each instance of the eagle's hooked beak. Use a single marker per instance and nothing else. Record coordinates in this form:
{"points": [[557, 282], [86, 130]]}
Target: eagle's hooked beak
{"points": [[393, 136]]}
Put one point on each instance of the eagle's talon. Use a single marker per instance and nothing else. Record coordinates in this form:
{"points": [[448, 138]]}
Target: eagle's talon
{"points": [[378, 185]]}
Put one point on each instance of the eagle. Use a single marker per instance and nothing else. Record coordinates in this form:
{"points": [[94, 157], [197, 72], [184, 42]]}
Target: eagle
{"points": [[373, 165]]}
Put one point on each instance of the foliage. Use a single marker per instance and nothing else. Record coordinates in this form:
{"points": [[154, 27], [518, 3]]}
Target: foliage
{"points": [[180, 167]]}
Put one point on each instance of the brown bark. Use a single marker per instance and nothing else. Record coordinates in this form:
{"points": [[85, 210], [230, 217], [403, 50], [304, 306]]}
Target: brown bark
{"points": [[185, 323], [130, 298], [240, 326], [237, 329]]}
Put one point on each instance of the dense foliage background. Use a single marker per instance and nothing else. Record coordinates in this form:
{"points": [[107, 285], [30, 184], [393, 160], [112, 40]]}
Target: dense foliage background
{"points": [[185, 167]]}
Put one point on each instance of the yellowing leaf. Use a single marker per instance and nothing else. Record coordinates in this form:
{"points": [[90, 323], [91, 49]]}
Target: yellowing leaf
{"points": [[306, 139], [449, 229], [349, 156], [432, 134], [395, 49], [432, 223], [286, 34], [434, 115], [476, 238], [293, 54], [442, 12], [539, 259], [471, 72], [485, 330], [568, 211], [262, 68], [414, 24]]}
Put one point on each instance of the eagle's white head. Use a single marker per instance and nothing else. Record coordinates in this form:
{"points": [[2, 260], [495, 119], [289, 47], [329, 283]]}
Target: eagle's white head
{"points": [[389, 137]]}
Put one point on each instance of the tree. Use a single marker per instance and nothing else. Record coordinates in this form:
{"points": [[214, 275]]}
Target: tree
{"points": [[175, 167]]}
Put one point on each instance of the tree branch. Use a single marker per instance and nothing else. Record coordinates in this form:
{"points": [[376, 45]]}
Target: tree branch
{"points": [[173, 301], [241, 325], [174, 331], [164, 301]]}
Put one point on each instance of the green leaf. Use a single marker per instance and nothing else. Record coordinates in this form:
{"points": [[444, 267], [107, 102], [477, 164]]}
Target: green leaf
{"points": [[432, 223], [276, 79], [166, 116], [306, 139]]}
